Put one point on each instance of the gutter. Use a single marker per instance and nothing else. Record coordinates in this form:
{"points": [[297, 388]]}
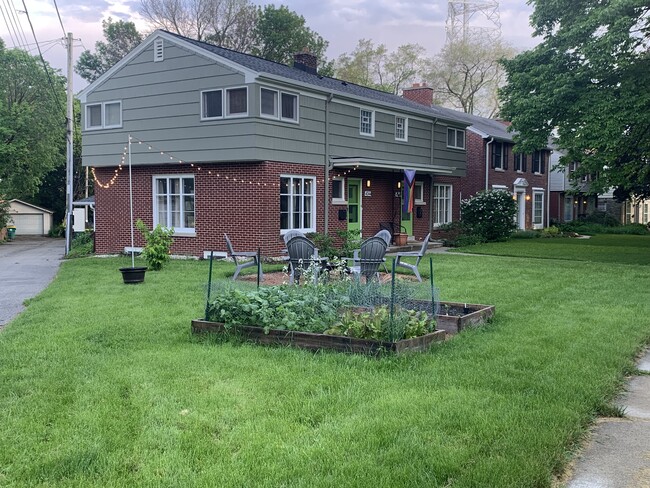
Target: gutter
{"points": [[326, 182], [433, 140], [487, 161]]}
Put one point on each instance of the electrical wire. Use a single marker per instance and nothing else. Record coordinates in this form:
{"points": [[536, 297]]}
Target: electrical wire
{"points": [[7, 24], [20, 25], [47, 71], [59, 16], [11, 24]]}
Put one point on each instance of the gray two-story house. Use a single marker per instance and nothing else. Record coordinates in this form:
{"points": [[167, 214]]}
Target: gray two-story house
{"points": [[224, 142]]}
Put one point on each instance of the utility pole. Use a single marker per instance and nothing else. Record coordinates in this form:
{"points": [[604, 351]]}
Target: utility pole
{"points": [[69, 152]]}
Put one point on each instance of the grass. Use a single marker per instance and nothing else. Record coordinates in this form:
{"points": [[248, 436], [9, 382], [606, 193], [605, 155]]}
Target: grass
{"points": [[602, 248], [102, 384]]}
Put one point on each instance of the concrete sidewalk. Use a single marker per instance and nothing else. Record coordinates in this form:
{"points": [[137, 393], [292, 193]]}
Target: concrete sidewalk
{"points": [[618, 453]]}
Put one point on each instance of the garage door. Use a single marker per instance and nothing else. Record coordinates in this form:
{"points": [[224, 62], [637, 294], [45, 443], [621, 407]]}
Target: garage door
{"points": [[28, 224]]}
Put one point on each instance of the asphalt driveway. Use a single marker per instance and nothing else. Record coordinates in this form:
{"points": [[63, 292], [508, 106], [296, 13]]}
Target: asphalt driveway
{"points": [[27, 266]]}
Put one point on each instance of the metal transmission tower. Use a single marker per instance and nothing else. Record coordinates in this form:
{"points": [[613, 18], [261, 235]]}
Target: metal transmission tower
{"points": [[469, 20]]}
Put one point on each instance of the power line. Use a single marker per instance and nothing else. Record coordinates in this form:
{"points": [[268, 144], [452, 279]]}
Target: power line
{"points": [[47, 71], [59, 16], [20, 24], [11, 24], [7, 24]]}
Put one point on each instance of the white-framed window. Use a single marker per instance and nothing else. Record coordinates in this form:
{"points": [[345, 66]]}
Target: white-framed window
{"points": [[158, 50], [211, 104], [297, 198], [401, 128], [538, 162], [105, 115], [418, 193], [442, 196], [338, 190], [499, 159], [455, 138], [646, 212], [520, 162], [366, 122], [278, 105], [229, 102], [173, 202], [538, 208], [237, 102]]}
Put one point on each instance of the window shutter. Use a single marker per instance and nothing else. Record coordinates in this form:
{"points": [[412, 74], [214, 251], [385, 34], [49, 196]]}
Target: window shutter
{"points": [[523, 162], [494, 155], [505, 156], [542, 161]]}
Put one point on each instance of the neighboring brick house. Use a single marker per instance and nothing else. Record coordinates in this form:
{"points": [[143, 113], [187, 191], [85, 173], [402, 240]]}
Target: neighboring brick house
{"points": [[224, 142], [492, 164], [569, 199]]}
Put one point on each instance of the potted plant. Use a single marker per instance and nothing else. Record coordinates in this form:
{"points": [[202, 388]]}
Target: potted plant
{"points": [[400, 238]]}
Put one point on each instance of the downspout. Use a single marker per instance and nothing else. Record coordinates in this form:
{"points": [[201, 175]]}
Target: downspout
{"points": [[487, 161], [548, 191], [326, 183], [433, 143]]}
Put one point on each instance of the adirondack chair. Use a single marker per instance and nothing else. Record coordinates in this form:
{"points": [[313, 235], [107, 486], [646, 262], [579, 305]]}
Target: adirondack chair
{"points": [[416, 254], [368, 259], [385, 235], [302, 254], [241, 259]]}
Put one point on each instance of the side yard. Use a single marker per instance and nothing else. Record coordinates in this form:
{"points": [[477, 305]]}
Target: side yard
{"points": [[101, 384]]}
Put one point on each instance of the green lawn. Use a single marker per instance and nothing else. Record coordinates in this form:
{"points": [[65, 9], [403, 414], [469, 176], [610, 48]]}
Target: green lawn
{"points": [[102, 384], [604, 248]]}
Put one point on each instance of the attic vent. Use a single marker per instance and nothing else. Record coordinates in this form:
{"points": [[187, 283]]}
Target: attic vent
{"points": [[158, 52]]}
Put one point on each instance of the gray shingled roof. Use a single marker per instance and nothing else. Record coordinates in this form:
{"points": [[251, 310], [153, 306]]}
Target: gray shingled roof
{"points": [[324, 82]]}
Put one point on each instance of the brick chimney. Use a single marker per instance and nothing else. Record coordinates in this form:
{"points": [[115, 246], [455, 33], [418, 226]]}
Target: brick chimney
{"points": [[419, 93], [305, 61]]}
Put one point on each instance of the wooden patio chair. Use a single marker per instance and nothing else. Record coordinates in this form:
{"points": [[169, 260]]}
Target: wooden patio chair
{"points": [[241, 259], [416, 254]]}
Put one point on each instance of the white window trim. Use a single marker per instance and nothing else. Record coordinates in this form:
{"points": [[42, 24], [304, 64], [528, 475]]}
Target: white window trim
{"points": [[158, 51], [313, 212], [219, 117], [406, 129], [340, 201], [102, 115], [372, 122], [278, 106], [538, 192], [419, 201], [224, 100], [178, 231], [450, 213], [456, 131]]}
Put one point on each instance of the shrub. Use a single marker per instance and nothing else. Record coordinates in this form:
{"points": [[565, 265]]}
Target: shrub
{"points": [[552, 231], [490, 215], [83, 244], [157, 244], [602, 218], [350, 240], [526, 234]]}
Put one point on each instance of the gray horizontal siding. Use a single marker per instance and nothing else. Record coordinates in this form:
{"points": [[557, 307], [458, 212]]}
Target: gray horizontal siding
{"points": [[161, 106]]}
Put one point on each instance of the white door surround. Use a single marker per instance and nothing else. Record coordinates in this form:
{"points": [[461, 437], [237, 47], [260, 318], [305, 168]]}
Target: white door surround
{"points": [[519, 186]]}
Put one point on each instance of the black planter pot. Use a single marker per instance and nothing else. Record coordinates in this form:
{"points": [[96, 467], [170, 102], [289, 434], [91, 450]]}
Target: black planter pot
{"points": [[133, 275]]}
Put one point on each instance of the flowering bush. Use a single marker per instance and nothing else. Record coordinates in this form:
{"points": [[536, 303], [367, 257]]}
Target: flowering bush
{"points": [[490, 215]]}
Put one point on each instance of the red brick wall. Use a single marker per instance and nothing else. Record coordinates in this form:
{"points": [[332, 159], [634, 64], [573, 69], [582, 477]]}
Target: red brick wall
{"points": [[247, 212], [475, 179]]}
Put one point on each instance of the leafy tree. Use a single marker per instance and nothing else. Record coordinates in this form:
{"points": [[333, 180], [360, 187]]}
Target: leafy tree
{"points": [[374, 67], [588, 84], [32, 122], [466, 74], [121, 37], [280, 33], [233, 24]]}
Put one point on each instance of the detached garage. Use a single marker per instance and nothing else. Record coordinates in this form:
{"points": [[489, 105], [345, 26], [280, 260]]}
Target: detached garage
{"points": [[29, 219]]}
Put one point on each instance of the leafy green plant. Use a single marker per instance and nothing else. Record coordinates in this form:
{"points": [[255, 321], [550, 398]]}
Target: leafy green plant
{"points": [[4, 212], [350, 240], [158, 243], [526, 234], [490, 215], [83, 244], [552, 231]]}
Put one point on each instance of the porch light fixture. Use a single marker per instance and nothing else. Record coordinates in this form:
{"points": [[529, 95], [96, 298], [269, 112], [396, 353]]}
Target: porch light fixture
{"points": [[528, 198], [575, 202], [514, 197], [368, 183], [399, 185]]}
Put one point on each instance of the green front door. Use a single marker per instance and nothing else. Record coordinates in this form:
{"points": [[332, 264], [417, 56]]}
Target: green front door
{"points": [[407, 218], [354, 204]]}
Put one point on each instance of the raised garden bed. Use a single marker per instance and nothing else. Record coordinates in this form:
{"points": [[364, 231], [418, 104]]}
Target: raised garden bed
{"points": [[456, 317]]}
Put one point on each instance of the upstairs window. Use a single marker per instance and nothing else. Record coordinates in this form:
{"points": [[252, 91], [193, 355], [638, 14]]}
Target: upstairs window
{"points": [[539, 162], [520, 163], [455, 138], [367, 122], [401, 128], [499, 157], [233, 102], [105, 115], [288, 105]]}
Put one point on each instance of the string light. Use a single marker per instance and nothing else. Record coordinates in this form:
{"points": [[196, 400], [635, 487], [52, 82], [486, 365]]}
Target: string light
{"points": [[171, 157]]}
